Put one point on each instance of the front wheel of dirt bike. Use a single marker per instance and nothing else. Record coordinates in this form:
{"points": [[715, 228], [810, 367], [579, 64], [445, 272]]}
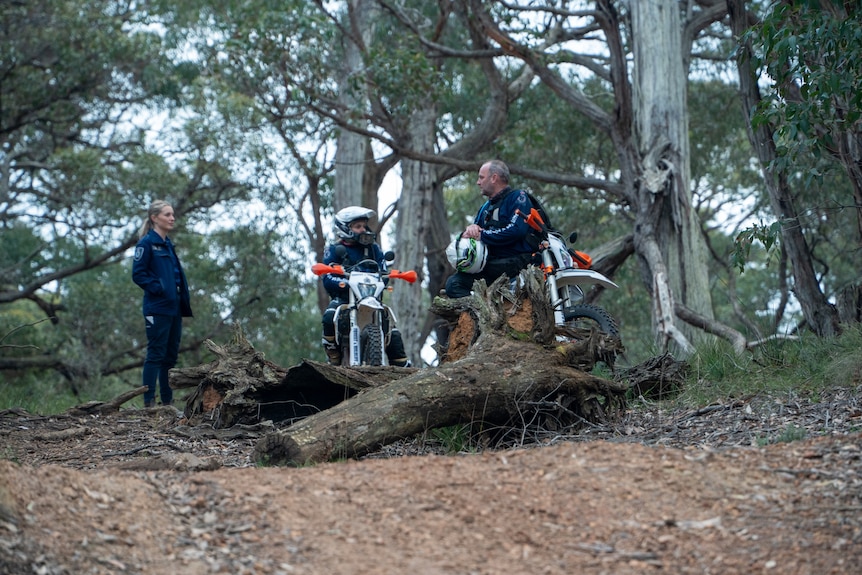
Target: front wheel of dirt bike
{"points": [[371, 340], [586, 316], [581, 320]]}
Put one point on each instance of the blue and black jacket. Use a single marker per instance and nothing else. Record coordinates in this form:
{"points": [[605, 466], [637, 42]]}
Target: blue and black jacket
{"points": [[153, 271], [354, 254], [504, 232]]}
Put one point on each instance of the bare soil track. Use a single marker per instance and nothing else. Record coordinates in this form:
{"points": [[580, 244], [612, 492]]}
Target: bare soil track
{"points": [[715, 490]]}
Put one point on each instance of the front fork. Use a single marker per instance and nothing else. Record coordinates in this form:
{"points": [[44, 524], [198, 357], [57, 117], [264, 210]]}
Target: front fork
{"points": [[559, 301], [355, 352], [355, 340], [551, 280]]}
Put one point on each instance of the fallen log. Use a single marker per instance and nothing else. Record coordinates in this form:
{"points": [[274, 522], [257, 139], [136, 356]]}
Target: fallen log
{"points": [[499, 383], [512, 371], [501, 376]]}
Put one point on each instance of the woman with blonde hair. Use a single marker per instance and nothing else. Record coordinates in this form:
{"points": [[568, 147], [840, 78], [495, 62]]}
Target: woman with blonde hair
{"points": [[157, 270]]}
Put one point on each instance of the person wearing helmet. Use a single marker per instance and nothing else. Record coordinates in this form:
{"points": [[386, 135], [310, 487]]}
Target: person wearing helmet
{"points": [[350, 227], [497, 229]]}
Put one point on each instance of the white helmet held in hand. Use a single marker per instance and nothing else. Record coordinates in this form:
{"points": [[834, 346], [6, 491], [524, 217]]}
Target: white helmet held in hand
{"points": [[467, 255]]}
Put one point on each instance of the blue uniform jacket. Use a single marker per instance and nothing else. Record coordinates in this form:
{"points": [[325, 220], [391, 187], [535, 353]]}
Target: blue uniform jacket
{"points": [[153, 271], [355, 254], [504, 232]]}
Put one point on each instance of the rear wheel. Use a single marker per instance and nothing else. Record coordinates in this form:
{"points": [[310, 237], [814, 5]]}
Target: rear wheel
{"points": [[371, 340]]}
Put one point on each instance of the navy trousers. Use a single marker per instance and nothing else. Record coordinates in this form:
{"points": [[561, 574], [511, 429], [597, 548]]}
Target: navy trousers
{"points": [[163, 345]]}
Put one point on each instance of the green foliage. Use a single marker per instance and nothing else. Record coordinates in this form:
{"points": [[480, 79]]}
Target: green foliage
{"points": [[543, 133], [767, 235], [8, 454], [814, 58], [723, 173], [788, 434], [263, 287], [20, 254], [803, 364], [809, 54], [462, 202], [78, 78], [46, 394]]}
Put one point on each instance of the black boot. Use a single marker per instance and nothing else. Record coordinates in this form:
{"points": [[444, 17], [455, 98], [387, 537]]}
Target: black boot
{"points": [[395, 350]]}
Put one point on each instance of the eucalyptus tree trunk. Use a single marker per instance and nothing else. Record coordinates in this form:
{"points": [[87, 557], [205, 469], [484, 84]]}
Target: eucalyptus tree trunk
{"points": [[667, 231], [821, 315], [352, 147], [414, 225]]}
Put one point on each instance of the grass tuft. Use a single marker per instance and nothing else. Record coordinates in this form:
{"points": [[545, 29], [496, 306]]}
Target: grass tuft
{"points": [[454, 439], [804, 365]]}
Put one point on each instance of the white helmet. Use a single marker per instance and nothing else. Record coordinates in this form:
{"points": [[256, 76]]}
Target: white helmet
{"points": [[467, 255], [348, 215]]}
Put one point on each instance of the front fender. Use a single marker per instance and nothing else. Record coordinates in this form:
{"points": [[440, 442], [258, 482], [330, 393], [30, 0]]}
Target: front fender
{"points": [[581, 277], [371, 303]]}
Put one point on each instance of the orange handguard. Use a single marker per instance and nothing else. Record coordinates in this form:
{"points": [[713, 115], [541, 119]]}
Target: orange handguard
{"points": [[408, 276], [585, 262], [322, 269], [534, 220]]}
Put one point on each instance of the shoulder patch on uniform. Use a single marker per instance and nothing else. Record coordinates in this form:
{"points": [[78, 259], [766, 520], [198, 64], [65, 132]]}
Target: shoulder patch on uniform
{"points": [[139, 252]]}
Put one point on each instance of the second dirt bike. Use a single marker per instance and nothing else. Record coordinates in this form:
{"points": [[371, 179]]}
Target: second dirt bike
{"points": [[364, 323], [567, 273]]}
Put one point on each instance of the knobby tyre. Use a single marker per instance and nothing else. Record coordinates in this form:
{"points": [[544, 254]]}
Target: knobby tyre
{"points": [[372, 345], [586, 316]]}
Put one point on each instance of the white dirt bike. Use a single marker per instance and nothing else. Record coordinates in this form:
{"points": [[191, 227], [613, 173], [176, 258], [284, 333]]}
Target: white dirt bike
{"points": [[366, 331], [567, 273]]}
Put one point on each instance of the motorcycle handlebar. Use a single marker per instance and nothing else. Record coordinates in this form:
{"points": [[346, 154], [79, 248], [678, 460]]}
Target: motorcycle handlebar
{"points": [[320, 269]]}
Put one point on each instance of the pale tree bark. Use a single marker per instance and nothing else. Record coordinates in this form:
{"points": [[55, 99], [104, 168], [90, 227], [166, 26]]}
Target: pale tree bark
{"points": [[821, 315], [414, 221], [661, 129], [352, 147]]}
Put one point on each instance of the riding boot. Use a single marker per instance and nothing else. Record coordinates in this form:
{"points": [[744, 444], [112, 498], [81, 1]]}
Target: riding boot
{"points": [[332, 349], [395, 350], [441, 330]]}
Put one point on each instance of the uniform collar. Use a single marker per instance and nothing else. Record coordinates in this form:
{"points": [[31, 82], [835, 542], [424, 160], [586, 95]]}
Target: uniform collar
{"points": [[500, 195], [159, 239]]}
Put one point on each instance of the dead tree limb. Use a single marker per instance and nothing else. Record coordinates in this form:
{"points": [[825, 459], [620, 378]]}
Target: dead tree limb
{"points": [[104, 408]]}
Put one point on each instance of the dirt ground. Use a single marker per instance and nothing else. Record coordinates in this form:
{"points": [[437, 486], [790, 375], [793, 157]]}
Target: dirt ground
{"points": [[721, 489]]}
